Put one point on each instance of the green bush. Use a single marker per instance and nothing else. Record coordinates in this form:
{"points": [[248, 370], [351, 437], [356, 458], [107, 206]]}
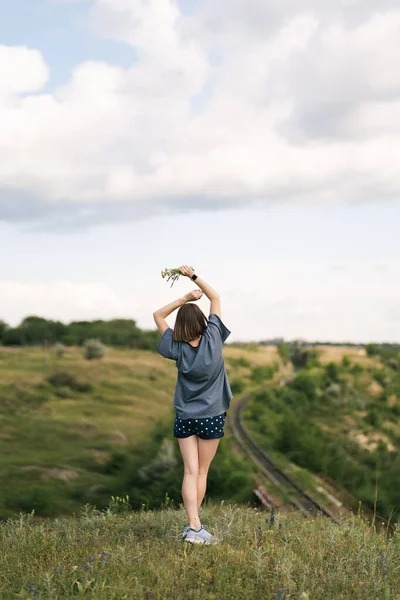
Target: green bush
{"points": [[302, 357], [357, 369], [372, 349], [380, 376], [332, 371], [93, 349], [44, 501], [263, 372], [284, 352], [373, 417], [393, 363], [64, 392], [163, 461], [334, 389], [346, 362], [239, 362], [64, 379], [60, 350], [237, 386], [306, 384]]}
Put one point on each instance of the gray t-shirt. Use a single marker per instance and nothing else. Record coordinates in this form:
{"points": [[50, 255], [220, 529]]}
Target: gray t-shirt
{"points": [[202, 388]]}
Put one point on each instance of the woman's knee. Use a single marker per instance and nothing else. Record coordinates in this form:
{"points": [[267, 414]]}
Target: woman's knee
{"points": [[192, 469]]}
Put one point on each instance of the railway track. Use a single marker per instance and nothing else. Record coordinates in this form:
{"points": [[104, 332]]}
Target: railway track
{"points": [[297, 497]]}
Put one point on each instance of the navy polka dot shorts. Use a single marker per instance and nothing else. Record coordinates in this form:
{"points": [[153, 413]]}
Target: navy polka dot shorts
{"points": [[206, 428]]}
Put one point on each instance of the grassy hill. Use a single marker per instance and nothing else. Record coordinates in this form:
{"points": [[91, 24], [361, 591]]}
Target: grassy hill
{"points": [[76, 431], [65, 421], [338, 417], [113, 555]]}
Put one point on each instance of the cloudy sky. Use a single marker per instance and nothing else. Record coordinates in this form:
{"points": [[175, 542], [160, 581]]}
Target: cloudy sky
{"points": [[256, 140]]}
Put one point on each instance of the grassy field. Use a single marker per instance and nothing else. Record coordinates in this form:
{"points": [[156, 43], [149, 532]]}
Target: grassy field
{"points": [[56, 439], [63, 441], [140, 555], [75, 432]]}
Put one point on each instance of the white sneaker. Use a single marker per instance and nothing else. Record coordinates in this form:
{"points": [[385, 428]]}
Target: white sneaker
{"points": [[200, 536]]}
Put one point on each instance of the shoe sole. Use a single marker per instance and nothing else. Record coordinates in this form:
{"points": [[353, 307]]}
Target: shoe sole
{"points": [[201, 541]]}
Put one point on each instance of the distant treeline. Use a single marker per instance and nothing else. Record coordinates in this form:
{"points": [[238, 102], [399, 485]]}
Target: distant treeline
{"points": [[34, 331], [371, 348]]}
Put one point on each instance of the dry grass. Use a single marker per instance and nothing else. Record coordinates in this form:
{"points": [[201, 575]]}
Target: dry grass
{"points": [[356, 354]]}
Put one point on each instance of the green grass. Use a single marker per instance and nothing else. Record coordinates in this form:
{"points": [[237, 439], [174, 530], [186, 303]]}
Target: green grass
{"points": [[53, 449], [113, 555], [79, 439]]}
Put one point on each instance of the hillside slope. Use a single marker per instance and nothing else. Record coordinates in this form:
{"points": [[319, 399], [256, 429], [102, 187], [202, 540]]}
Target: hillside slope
{"points": [[76, 431], [339, 418]]}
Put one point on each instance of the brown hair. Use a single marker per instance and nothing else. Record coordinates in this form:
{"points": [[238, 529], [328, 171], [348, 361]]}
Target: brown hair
{"points": [[190, 323]]}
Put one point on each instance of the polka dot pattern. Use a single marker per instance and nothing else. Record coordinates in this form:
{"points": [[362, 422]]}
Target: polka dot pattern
{"points": [[205, 428]]}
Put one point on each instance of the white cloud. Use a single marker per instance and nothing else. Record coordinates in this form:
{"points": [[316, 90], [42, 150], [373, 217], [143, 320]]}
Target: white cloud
{"points": [[22, 70], [297, 104]]}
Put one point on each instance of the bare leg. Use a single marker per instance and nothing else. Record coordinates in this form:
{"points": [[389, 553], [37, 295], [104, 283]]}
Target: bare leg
{"points": [[207, 450], [190, 456]]}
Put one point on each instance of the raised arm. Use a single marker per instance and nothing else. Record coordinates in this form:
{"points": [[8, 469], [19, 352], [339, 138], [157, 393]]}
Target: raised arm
{"points": [[212, 295], [160, 314]]}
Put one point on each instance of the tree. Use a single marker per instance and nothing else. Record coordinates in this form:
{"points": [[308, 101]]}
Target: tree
{"points": [[284, 352], [306, 384], [3, 328], [332, 370], [346, 362], [13, 337], [94, 349], [302, 357]]}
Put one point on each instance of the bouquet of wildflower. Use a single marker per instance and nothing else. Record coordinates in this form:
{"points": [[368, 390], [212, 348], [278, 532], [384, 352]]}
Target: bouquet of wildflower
{"points": [[172, 273]]}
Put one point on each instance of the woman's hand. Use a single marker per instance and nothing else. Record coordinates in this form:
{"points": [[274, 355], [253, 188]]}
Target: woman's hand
{"points": [[194, 295], [186, 271]]}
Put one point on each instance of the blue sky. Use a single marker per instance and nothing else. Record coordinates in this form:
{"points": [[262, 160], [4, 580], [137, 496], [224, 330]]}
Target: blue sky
{"points": [[61, 32], [139, 151]]}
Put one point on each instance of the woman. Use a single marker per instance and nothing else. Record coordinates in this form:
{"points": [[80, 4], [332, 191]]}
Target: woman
{"points": [[202, 393]]}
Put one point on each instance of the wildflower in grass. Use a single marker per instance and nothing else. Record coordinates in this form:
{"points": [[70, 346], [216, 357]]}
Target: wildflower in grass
{"points": [[172, 273], [90, 558], [280, 594], [272, 517], [383, 559], [104, 556], [33, 589]]}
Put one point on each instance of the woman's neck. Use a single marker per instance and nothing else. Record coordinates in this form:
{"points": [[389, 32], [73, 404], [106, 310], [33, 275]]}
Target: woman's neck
{"points": [[195, 340]]}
